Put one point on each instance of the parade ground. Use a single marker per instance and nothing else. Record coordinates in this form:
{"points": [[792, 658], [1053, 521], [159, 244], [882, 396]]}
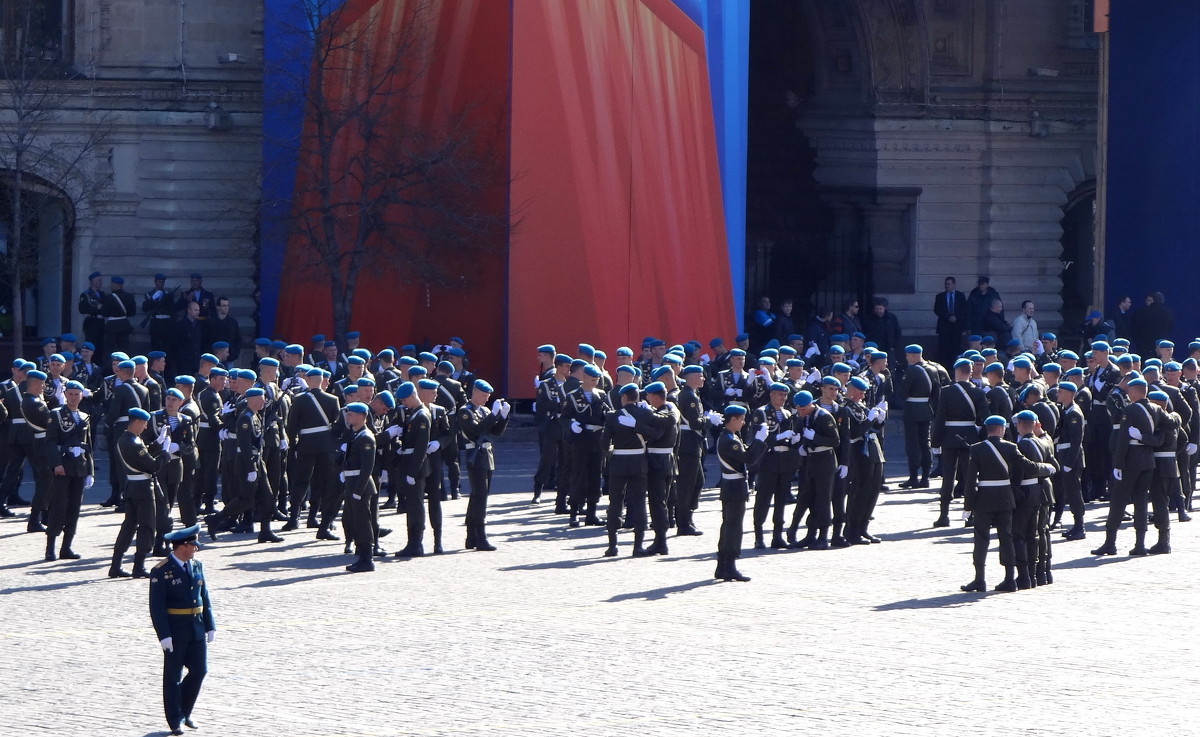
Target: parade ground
{"points": [[546, 637]]}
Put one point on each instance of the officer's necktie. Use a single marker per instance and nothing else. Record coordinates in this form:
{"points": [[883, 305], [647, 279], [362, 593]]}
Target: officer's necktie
{"points": [[950, 301]]}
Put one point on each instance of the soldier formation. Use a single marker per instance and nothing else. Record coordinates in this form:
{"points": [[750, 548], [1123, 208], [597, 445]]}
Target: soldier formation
{"points": [[333, 432]]}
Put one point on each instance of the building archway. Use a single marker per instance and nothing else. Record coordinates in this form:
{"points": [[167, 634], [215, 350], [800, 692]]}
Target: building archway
{"points": [[1078, 260], [40, 256]]}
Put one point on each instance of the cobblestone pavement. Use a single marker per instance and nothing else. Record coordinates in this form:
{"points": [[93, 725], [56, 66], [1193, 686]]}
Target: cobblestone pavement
{"points": [[544, 636]]}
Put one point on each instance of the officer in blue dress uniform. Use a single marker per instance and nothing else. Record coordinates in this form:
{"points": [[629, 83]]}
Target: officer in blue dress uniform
{"points": [[183, 622]]}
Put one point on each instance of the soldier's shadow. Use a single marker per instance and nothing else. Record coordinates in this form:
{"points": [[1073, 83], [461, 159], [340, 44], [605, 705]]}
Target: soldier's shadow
{"points": [[658, 594], [46, 587], [948, 601]]}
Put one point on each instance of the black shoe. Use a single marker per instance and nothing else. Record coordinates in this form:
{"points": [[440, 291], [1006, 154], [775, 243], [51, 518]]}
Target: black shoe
{"points": [[640, 552], [777, 542], [858, 540], [593, 521], [1184, 516], [1160, 549], [119, 573], [1075, 533], [5, 512], [911, 483], [176, 730], [484, 546], [389, 504], [976, 585], [438, 549], [1105, 549], [689, 530], [1007, 584], [384, 531], [210, 526], [574, 523], [537, 499], [610, 551], [140, 572], [839, 542], [269, 537], [801, 544], [290, 525], [872, 538], [733, 574], [324, 534], [561, 510], [759, 543], [943, 521], [312, 524], [1040, 579], [361, 566], [68, 554], [410, 551], [1139, 550], [187, 722], [923, 483], [280, 517], [819, 544], [380, 552], [34, 526]]}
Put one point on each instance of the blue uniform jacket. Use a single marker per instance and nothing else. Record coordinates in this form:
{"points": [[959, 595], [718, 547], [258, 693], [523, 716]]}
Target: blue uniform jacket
{"points": [[174, 588]]}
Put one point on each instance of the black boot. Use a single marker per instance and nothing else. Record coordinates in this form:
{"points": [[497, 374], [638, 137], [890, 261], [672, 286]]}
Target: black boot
{"points": [[611, 550], [293, 522], [838, 540], [537, 495], [978, 584], [639, 537], [732, 573], [65, 551], [1024, 579], [759, 542], [414, 549], [34, 525], [1110, 545], [364, 564], [777, 541], [822, 539], [660, 543], [139, 566], [1139, 545], [481, 541], [265, 535], [1163, 546], [325, 533], [911, 483], [719, 574], [1009, 583], [50, 554]]}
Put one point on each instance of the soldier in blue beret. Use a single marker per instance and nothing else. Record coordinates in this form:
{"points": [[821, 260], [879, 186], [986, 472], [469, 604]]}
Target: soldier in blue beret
{"points": [[480, 425], [139, 468], [1069, 451], [1034, 499], [918, 388], [181, 612], [583, 417], [961, 410], [734, 459], [91, 306]]}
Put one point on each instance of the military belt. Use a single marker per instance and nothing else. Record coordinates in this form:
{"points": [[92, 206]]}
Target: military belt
{"points": [[1135, 442], [39, 435], [1117, 426], [960, 423], [1029, 482], [472, 446], [122, 317], [821, 449], [783, 448], [408, 451], [593, 428], [920, 399], [186, 612], [351, 473], [1165, 454], [1062, 446], [137, 477], [160, 317], [733, 476], [993, 483], [311, 430], [660, 451], [18, 420], [629, 451], [202, 424]]}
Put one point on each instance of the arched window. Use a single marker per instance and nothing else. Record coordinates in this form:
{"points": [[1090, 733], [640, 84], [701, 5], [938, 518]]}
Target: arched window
{"points": [[36, 31]]}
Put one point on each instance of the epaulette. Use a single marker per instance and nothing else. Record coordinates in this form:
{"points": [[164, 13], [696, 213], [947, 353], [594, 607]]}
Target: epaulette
{"points": [[162, 563]]}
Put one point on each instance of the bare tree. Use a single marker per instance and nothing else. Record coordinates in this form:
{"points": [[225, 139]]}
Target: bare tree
{"points": [[384, 190], [40, 160]]}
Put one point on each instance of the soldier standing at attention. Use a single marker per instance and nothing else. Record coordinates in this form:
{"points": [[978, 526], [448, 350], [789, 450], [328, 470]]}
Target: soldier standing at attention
{"points": [[734, 459], [183, 622], [138, 469], [357, 468], [1134, 442], [69, 455], [917, 388], [118, 308], [478, 426], [962, 408], [91, 306], [412, 468]]}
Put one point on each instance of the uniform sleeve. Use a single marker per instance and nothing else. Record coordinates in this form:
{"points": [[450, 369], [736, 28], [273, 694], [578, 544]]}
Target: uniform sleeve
{"points": [[158, 605], [210, 623]]}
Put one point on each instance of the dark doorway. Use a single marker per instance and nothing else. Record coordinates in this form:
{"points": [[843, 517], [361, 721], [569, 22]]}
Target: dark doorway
{"points": [[1078, 261]]}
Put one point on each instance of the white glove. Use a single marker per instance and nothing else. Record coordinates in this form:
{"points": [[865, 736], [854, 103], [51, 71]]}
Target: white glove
{"points": [[87, 482], [738, 391], [1009, 366], [842, 471], [87, 393], [432, 446], [383, 477], [283, 443], [704, 359], [576, 427], [625, 419], [766, 374], [226, 408], [813, 377], [714, 417], [342, 447], [795, 439], [410, 480], [76, 451], [762, 433], [936, 451], [164, 432], [210, 635], [1117, 474], [1037, 347], [730, 391], [873, 414], [158, 294], [168, 644], [809, 433], [223, 435], [785, 435], [537, 382], [1066, 469], [505, 408], [173, 448], [342, 477], [394, 431], [813, 350], [1135, 433], [803, 451], [1191, 449], [252, 476], [496, 405]]}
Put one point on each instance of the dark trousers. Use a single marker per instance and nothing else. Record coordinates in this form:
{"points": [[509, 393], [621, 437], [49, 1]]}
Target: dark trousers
{"points": [[625, 490], [916, 446], [954, 469], [41, 483], [1135, 488], [658, 488], [65, 499], [311, 477], [116, 342], [414, 507], [139, 518], [734, 494], [1098, 461], [984, 521], [866, 479], [816, 491], [1161, 494], [1070, 495], [771, 488], [586, 466], [1024, 532], [949, 345], [549, 450], [14, 472], [687, 489], [250, 496], [1044, 549], [179, 691], [186, 494], [208, 471], [357, 520], [480, 477], [449, 453]]}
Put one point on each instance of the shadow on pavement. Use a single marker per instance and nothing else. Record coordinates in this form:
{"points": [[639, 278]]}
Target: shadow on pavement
{"points": [[46, 587], [949, 601], [564, 564], [657, 594]]}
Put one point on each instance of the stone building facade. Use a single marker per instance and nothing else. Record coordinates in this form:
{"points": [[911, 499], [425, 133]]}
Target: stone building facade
{"points": [[896, 142], [175, 88]]}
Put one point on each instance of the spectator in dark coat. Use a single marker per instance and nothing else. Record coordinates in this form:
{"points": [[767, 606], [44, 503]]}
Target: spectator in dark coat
{"points": [[883, 328], [1151, 324], [223, 326], [785, 324], [994, 323], [1121, 317], [979, 303], [189, 342]]}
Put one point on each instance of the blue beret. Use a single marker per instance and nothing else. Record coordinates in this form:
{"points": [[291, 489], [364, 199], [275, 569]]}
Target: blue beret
{"points": [[352, 335], [254, 391], [860, 383], [93, 275], [1172, 366], [210, 358], [734, 410], [977, 358], [601, 355], [1022, 362], [357, 408], [1025, 416], [655, 387], [409, 361], [268, 361], [137, 413], [837, 349], [247, 374], [657, 343], [839, 338], [963, 363], [117, 280], [660, 372], [1137, 382], [993, 367], [219, 345], [197, 276], [155, 355], [368, 381], [766, 361], [986, 352], [637, 372], [1052, 368], [586, 350], [426, 384], [988, 340], [578, 363], [88, 345], [386, 397], [57, 358], [559, 360], [362, 353], [218, 371], [624, 351], [1150, 361], [547, 348], [279, 345], [1077, 371], [186, 379], [18, 363], [1014, 343], [482, 386], [669, 358], [802, 399], [795, 363], [693, 369], [879, 356], [426, 356], [1136, 357], [72, 384], [175, 393], [715, 342], [995, 421], [841, 368], [126, 365], [417, 371], [1165, 344], [314, 372], [264, 342], [1194, 345], [457, 352], [1067, 386], [319, 338], [139, 360], [1068, 354], [1100, 345], [1159, 396], [456, 339], [787, 350], [159, 277], [737, 352], [68, 338], [741, 336], [831, 381], [1189, 363], [859, 335], [974, 338], [294, 349], [1119, 349], [329, 344], [913, 348], [1124, 359], [794, 337], [349, 389], [626, 369], [1049, 336], [47, 341], [184, 535], [355, 360], [773, 352], [778, 386], [630, 388]]}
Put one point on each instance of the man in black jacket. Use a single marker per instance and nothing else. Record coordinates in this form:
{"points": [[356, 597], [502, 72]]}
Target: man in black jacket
{"points": [[950, 306]]}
